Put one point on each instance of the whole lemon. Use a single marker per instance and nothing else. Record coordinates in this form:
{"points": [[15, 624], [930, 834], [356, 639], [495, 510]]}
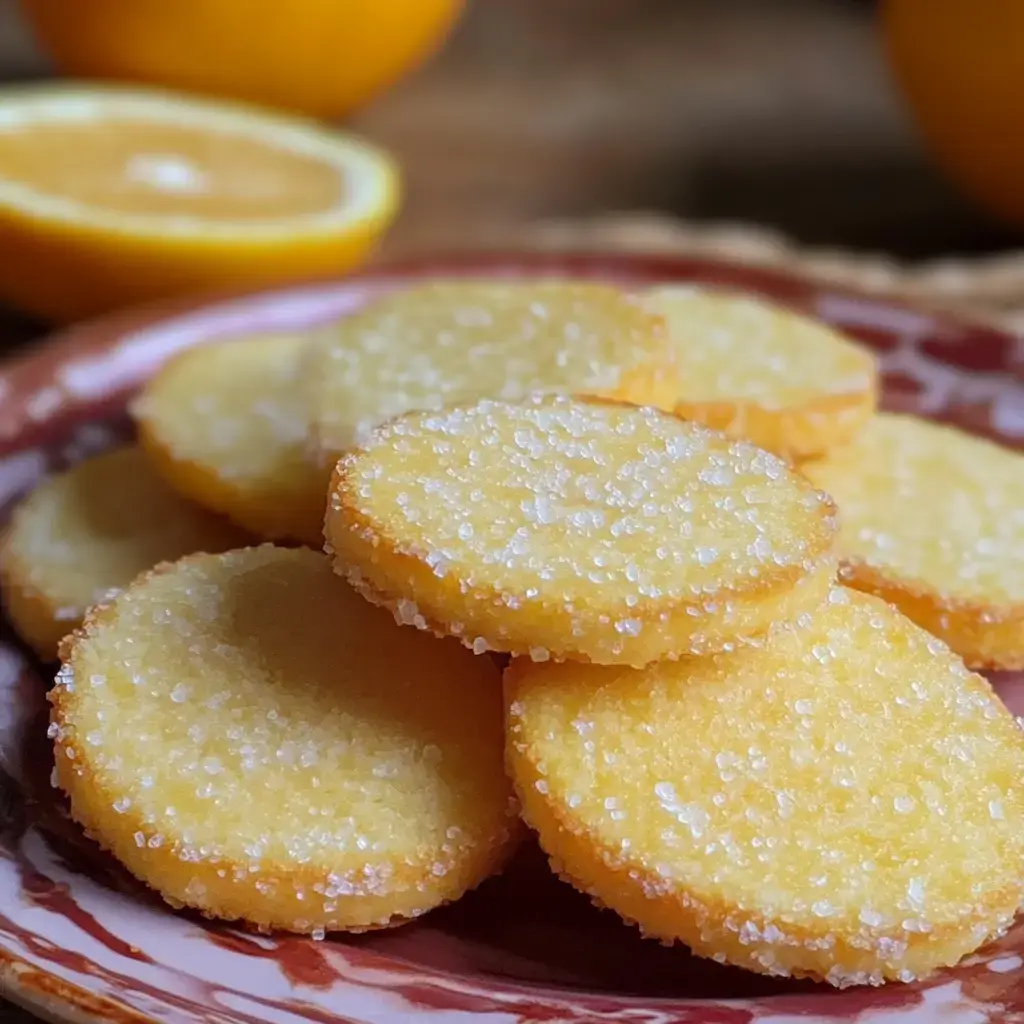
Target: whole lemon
{"points": [[961, 66], [319, 57]]}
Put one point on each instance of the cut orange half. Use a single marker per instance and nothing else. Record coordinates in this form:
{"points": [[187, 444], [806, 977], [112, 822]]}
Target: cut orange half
{"points": [[110, 197]]}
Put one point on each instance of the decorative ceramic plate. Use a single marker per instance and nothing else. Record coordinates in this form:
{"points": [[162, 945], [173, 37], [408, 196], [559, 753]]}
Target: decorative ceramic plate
{"points": [[80, 941]]}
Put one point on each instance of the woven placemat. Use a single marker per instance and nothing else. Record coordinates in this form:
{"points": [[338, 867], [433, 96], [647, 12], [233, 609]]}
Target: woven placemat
{"points": [[989, 287]]}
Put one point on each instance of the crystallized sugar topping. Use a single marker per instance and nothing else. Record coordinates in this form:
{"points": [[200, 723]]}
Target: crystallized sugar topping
{"points": [[731, 347], [932, 504], [94, 528], [239, 406], [250, 711], [232, 420], [453, 342], [558, 497], [847, 780]]}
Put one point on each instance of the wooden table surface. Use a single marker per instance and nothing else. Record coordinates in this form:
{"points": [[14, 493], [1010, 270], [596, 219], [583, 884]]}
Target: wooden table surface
{"points": [[779, 113]]}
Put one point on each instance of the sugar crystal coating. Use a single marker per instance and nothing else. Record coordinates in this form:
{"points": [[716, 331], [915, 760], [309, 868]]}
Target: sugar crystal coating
{"points": [[451, 342], [933, 521], [585, 529], [227, 425], [756, 370], [843, 802], [252, 739], [89, 531]]}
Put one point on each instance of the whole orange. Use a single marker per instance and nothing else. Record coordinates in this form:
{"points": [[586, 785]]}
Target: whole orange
{"points": [[320, 57], [961, 65]]}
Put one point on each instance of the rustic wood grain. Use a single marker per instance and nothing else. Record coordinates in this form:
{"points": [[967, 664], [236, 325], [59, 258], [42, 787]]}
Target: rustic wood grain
{"points": [[779, 114]]}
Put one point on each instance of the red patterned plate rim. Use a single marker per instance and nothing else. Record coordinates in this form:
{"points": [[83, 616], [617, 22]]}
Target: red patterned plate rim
{"points": [[76, 945]]}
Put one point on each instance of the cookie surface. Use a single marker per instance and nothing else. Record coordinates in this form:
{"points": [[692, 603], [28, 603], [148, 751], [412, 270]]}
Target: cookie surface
{"points": [[252, 739], [933, 521], [756, 370], [91, 530], [452, 342], [227, 424], [843, 803], [591, 530]]}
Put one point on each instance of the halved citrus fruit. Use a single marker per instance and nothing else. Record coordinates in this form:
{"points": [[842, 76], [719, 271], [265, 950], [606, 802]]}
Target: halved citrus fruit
{"points": [[111, 196]]}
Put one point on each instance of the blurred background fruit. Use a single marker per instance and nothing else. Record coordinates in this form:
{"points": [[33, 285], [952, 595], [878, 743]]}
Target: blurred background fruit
{"points": [[961, 65], [112, 196], [320, 57], [783, 115]]}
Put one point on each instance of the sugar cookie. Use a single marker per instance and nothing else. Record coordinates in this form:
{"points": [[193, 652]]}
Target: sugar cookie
{"points": [[91, 530], [572, 529], [452, 342], [226, 424], [933, 521], [756, 370], [843, 803], [252, 739]]}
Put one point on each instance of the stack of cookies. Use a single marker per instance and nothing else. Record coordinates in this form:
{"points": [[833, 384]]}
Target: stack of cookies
{"points": [[647, 572]]}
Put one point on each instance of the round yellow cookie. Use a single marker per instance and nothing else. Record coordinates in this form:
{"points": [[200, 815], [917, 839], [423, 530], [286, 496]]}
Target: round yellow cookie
{"points": [[573, 529], [756, 370], [226, 424], [843, 803], [452, 342], [252, 739], [933, 521], [89, 531]]}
